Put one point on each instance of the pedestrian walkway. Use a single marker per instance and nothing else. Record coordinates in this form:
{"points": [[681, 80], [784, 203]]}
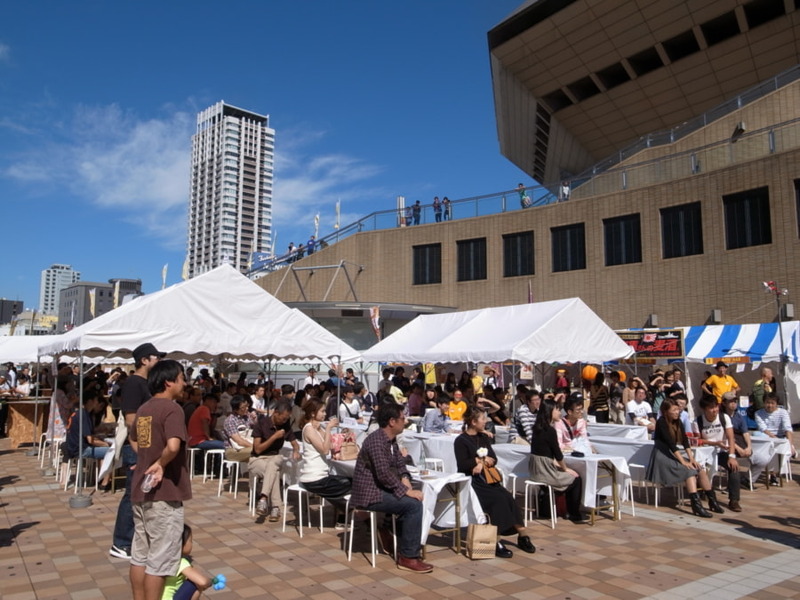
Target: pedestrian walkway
{"points": [[50, 551]]}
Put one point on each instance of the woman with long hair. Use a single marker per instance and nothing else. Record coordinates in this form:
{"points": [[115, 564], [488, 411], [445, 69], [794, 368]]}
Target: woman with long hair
{"points": [[668, 465], [475, 457], [547, 461], [314, 471]]}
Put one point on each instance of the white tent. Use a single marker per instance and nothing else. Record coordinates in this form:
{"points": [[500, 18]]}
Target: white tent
{"points": [[556, 331], [748, 347], [23, 348], [218, 314]]}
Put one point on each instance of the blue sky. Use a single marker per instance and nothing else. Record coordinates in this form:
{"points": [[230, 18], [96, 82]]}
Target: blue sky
{"points": [[369, 100]]}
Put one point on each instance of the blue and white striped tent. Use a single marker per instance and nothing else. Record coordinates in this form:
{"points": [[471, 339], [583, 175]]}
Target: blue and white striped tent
{"points": [[760, 342]]}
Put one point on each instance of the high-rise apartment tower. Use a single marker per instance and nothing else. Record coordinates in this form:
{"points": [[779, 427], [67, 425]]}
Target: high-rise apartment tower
{"points": [[230, 211], [54, 279]]}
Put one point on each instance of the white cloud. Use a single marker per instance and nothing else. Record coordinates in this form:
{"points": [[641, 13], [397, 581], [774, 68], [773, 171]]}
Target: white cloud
{"points": [[139, 169], [5, 52]]}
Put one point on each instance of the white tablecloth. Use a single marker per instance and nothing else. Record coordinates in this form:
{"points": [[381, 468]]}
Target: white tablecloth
{"points": [[635, 452], [513, 458], [766, 451], [633, 432], [436, 514]]}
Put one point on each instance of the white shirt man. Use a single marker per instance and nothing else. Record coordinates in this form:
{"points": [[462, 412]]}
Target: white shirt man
{"points": [[639, 411], [311, 379]]}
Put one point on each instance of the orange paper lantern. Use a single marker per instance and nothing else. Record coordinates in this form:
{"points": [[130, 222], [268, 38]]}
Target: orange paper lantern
{"points": [[589, 372]]}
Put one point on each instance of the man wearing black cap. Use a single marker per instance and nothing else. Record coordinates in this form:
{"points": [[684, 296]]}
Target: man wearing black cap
{"points": [[721, 383], [134, 393]]}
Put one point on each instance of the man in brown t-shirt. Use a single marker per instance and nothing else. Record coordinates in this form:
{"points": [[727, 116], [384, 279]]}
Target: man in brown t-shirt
{"points": [[159, 437]]}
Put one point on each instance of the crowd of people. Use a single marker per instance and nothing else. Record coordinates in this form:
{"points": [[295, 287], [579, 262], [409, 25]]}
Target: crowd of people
{"points": [[162, 412]]}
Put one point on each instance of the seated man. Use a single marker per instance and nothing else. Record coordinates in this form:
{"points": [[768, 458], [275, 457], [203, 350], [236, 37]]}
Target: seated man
{"points": [[435, 419], [525, 415], [238, 435], [716, 429], [741, 432], [640, 412], [571, 430], [93, 446], [269, 434], [773, 420], [381, 482], [201, 425]]}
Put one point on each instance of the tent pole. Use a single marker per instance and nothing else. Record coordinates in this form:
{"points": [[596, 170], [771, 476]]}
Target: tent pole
{"points": [[78, 500], [34, 445]]}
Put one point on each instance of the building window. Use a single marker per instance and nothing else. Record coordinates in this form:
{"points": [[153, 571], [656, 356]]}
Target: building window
{"points": [[471, 259], [569, 247], [747, 220], [623, 237], [427, 264], [681, 230], [518, 254]]}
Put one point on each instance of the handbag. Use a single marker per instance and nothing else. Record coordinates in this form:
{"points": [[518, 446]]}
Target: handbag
{"points": [[491, 475], [349, 451], [481, 540]]}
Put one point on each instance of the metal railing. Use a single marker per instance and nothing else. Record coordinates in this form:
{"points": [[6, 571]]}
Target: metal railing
{"points": [[465, 208]]}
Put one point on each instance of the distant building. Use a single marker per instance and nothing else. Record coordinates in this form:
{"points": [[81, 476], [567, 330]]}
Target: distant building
{"points": [[230, 210], [30, 322], [55, 279], [83, 301], [9, 309]]}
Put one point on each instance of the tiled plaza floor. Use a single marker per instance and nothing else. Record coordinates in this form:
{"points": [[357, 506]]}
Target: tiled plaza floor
{"points": [[50, 551]]}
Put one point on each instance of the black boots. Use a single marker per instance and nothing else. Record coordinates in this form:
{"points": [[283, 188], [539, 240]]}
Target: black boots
{"points": [[524, 543], [697, 508], [712, 502]]}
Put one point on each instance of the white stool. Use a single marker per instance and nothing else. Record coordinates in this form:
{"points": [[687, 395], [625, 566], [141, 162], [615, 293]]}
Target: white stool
{"points": [[373, 532], [254, 479], [233, 470], [512, 479], [209, 453], [190, 458], [434, 464], [80, 478], [532, 488], [301, 492]]}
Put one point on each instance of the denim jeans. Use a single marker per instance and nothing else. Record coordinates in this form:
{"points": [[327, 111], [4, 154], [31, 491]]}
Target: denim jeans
{"points": [[409, 521], [123, 528], [96, 452]]}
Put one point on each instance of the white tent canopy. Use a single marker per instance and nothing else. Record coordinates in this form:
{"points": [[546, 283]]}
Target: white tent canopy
{"points": [[23, 348], [556, 331], [218, 314]]}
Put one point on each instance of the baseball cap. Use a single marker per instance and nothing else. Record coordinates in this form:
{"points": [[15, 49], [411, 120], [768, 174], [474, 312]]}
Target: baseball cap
{"points": [[727, 396], [145, 350]]}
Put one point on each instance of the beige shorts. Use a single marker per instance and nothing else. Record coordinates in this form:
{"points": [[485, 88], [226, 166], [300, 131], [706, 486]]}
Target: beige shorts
{"points": [[157, 537]]}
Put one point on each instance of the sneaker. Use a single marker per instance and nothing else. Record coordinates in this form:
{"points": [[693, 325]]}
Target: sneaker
{"points": [[274, 514], [118, 552], [261, 507], [773, 480]]}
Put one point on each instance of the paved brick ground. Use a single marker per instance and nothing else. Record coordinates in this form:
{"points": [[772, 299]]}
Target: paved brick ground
{"points": [[50, 551]]}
